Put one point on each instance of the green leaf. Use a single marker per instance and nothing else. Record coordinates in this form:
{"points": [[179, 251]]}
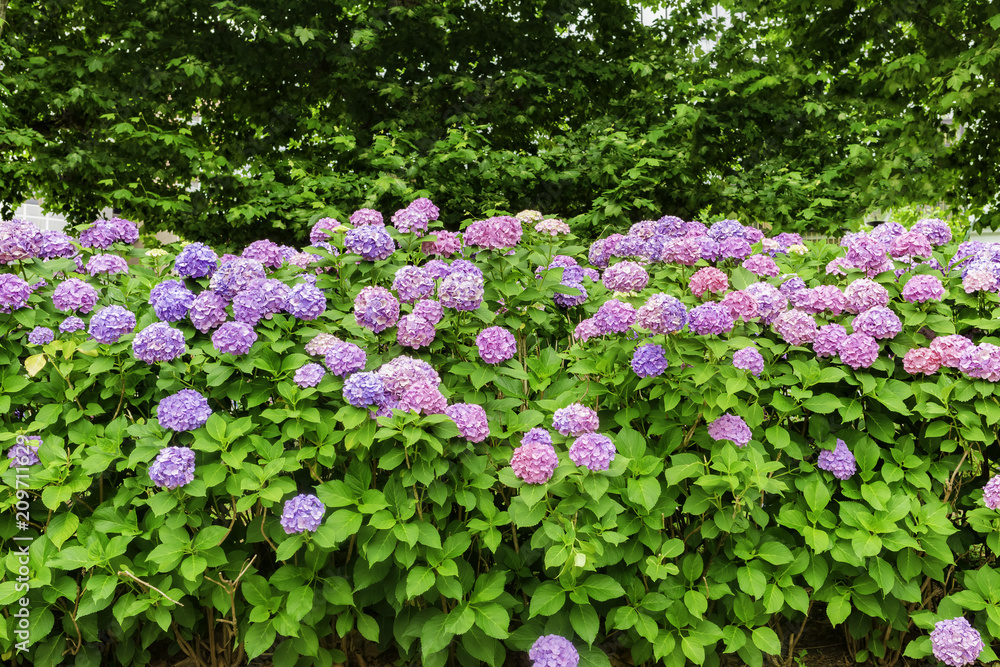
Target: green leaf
{"points": [[838, 609], [585, 622], [419, 581], [493, 620], [546, 600], [766, 640], [258, 638], [602, 587]]}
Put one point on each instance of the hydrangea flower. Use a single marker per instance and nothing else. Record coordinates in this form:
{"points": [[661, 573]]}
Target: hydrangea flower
{"points": [[770, 301], [741, 305], [463, 287], [950, 349], [309, 375], [730, 427], [575, 420], [23, 454], [372, 242], [625, 277], [55, 243], [41, 336], [685, 251], [234, 338], [171, 300], [208, 310], [537, 436], [429, 310], [649, 360], [614, 316], [749, 359], [186, 410], [19, 239], [470, 419], [866, 253], [446, 244], [864, 294], [795, 327], [424, 397], [158, 342], [196, 260], [71, 324], [407, 220], [437, 269], [592, 451], [322, 343], [726, 229], [101, 234], [343, 358], [710, 318], [955, 642], [318, 233], [980, 280], [173, 467], [74, 295], [364, 389], [376, 308], [495, 233], [236, 275], [910, 244], [708, 279], [266, 252], [301, 513], [534, 462], [761, 265], [529, 215], [110, 323], [306, 302], [991, 493], [586, 330], [552, 227], [921, 360], [414, 331], [366, 216], [735, 248], [106, 264], [661, 314], [248, 306], [496, 344], [981, 362], [878, 322], [937, 231], [412, 283], [858, 350], [921, 288], [822, 298], [840, 461]]}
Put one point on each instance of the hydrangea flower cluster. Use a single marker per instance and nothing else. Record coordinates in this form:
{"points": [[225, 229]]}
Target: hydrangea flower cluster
{"points": [[991, 493], [343, 358], [446, 244], [749, 359], [398, 374], [414, 331], [158, 342], [592, 451], [708, 279], [575, 420], [74, 295], [104, 233], [463, 287], [921, 360], [955, 642], [649, 360], [171, 300], [372, 242], [19, 239], [305, 301], [110, 323], [196, 260], [376, 308], [363, 390], [496, 344], [534, 462], [364, 217], [470, 419], [429, 310], [840, 461], [106, 265], [173, 467], [266, 252], [795, 327], [625, 277], [234, 338], [309, 375], [208, 311], [23, 454], [412, 283], [730, 427], [662, 314], [614, 316], [878, 322], [301, 513], [710, 318], [921, 288], [235, 275], [71, 324], [552, 227], [186, 410], [495, 233], [41, 336]]}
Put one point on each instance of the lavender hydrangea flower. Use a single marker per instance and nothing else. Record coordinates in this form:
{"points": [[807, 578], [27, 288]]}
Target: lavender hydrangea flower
{"points": [[649, 360], [301, 513], [319, 232], [158, 342], [735, 248], [991, 493], [208, 310], [614, 316], [74, 295], [408, 220], [685, 251], [981, 362], [266, 252], [470, 419], [71, 324], [828, 339], [19, 239], [749, 359], [343, 358], [878, 322], [171, 300], [730, 427], [741, 305], [110, 323], [761, 265], [495, 233], [234, 338], [537, 436], [575, 420], [429, 309], [437, 269], [306, 302], [236, 275], [858, 350], [424, 397], [662, 314], [364, 389], [404, 371], [795, 327], [463, 287], [248, 306], [937, 231], [552, 227], [534, 462], [496, 344], [625, 277], [921, 288], [173, 467], [100, 235], [23, 454], [414, 331], [866, 253], [376, 308], [41, 336], [366, 216], [372, 242], [445, 244], [710, 318], [864, 294], [592, 451], [980, 280], [196, 260], [840, 461], [186, 410], [827, 298], [770, 301], [106, 264], [55, 243], [726, 229], [309, 375], [412, 283], [955, 642], [586, 330], [910, 244]]}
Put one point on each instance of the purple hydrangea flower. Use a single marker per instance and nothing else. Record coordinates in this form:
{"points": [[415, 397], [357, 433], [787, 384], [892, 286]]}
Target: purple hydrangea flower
{"points": [[110, 323], [496, 344], [537, 436], [981, 362], [376, 308], [686, 251], [425, 207], [372, 242], [74, 295], [404, 371], [495, 233], [108, 264], [171, 300], [955, 642], [236, 275], [301, 513], [234, 338], [864, 294], [437, 269], [412, 283], [272, 295], [770, 301], [408, 220], [173, 467], [364, 389], [565, 300], [727, 229], [878, 322], [980, 280], [761, 265], [463, 287], [735, 248], [749, 359], [910, 244], [186, 410], [41, 336], [858, 350], [445, 245], [937, 231], [248, 306], [366, 216], [710, 318], [429, 309], [708, 279], [343, 358], [730, 427], [19, 239], [266, 252], [795, 327], [55, 243], [71, 324], [196, 260], [592, 451], [318, 233], [309, 375], [101, 234], [625, 277], [649, 360], [828, 339], [741, 305], [824, 298], [575, 420], [208, 310], [840, 461], [921, 288], [991, 493], [866, 253], [424, 397], [322, 343], [534, 462], [470, 419], [414, 331], [614, 316], [23, 454], [158, 342], [586, 330], [885, 232], [305, 301]]}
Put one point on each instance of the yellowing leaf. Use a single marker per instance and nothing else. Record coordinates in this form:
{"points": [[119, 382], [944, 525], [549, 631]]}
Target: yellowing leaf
{"points": [[34, 364]]}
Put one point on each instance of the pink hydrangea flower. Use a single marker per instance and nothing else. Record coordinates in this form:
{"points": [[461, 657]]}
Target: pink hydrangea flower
{"points": [[708, 279], [921, 360]]}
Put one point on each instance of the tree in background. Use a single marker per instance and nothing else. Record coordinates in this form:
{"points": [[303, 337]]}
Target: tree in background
{"points": [[231, 121]]}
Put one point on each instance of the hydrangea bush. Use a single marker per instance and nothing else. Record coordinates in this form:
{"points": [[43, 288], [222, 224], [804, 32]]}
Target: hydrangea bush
{"points": [[680, 441]]}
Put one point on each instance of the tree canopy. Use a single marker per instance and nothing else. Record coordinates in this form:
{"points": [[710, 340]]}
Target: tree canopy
{"points": [[232, 120]]}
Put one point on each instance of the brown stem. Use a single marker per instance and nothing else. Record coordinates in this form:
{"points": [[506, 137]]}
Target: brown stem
{"points": [[149, 585]]}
